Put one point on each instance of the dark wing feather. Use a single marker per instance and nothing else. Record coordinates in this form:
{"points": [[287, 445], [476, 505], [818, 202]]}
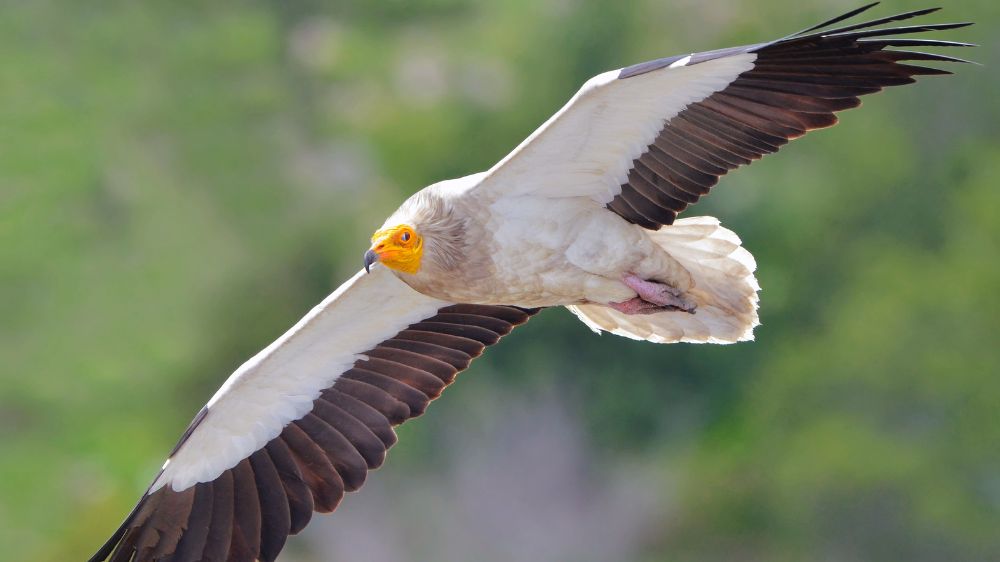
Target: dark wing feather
{"points": [[275, 526], [193, 541], [796, 85], [297, 492], [245, 542]]}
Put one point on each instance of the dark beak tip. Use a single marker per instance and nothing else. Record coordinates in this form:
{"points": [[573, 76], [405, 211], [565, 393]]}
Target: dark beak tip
{"points": [[370, 258]]}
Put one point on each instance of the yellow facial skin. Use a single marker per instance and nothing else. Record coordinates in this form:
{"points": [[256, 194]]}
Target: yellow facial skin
{"points": [[399, 248]]}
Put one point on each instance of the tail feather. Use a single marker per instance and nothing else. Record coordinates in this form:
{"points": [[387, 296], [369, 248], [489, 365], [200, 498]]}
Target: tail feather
{"points": [[725, 290]]}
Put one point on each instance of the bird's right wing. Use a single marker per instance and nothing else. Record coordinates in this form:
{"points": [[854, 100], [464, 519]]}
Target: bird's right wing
{"points": [[303, 421], [650, 139]]}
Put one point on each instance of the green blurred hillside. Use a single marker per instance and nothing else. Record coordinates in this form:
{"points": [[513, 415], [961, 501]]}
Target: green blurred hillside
{"points": [[181, 181]]}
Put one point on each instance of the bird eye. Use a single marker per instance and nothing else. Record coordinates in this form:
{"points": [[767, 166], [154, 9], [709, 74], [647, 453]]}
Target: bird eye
{"points": [[405, 237]]}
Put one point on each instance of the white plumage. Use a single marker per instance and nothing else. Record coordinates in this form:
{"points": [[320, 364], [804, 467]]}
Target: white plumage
{"points": [[587, 147], [725, 289]]}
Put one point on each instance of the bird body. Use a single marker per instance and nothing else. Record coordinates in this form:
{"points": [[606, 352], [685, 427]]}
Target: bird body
{"points": [[582, 214], [529, 251]]}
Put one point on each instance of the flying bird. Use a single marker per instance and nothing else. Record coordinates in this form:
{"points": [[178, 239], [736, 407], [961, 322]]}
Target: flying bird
{"points": [[582, 214]]}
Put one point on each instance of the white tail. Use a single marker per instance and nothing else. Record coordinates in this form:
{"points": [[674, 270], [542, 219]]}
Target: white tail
{"points": [[724, 288]]}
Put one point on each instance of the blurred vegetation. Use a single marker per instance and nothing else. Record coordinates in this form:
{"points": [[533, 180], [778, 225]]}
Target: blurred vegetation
{"points": [[181, 181]]}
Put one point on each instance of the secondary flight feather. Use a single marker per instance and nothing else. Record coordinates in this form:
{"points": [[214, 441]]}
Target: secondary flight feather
{"points": [[583, 214]]}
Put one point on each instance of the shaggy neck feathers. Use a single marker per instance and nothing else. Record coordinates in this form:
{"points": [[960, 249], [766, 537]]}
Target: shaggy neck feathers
{"points": [[441, 227]]}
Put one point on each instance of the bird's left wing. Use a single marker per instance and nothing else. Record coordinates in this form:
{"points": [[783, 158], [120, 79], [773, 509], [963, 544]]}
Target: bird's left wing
{"points": [[650, 139], [304, 420]]}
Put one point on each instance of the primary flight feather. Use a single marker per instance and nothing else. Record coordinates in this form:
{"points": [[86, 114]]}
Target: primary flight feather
{"points": [[582, 214]]}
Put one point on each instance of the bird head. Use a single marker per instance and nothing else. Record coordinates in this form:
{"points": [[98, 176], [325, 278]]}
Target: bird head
{"points": [[398, 247]]}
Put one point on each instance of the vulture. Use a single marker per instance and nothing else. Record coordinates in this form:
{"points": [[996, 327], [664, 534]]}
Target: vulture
{"points": [[582, 214]]}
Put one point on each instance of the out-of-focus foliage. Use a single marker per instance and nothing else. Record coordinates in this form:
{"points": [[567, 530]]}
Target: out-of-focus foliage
{"points": [[180, 181]]}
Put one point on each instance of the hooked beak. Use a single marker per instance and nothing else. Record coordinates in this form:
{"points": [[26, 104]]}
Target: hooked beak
{"points": [[370, 258]]}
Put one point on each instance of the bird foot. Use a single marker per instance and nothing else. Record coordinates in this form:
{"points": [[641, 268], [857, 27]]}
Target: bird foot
{"points": [[636, 305], [659, 295]]}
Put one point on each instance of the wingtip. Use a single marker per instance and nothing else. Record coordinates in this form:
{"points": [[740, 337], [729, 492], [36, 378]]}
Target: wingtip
{"points": [[862, 9], [977, 63], [956, 25], [835, 20], [901, 42]]}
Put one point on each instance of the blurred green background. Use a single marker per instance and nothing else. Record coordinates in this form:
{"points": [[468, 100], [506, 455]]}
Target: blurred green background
{"points": [[181, 181]]}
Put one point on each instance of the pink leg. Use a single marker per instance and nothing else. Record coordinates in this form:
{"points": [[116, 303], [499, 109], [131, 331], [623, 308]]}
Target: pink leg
{"points": [[636, 306], [659, 293]]}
